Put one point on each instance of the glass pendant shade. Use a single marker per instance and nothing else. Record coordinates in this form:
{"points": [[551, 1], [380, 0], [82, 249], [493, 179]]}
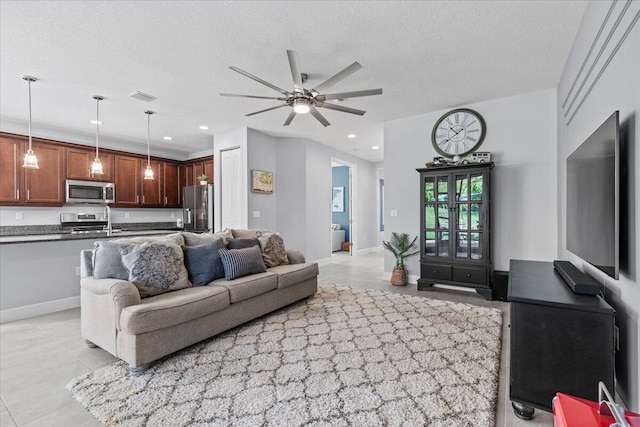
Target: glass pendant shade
{"points": [[30, 159], [148, 172], [96, 166]]}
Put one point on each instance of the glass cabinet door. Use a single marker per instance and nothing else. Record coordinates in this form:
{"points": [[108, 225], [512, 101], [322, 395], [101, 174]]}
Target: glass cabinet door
{"points": [[436, 216], [469, 193]]}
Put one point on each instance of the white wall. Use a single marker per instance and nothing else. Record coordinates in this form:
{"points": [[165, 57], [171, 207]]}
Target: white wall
{"points": [[613, 84], [261, 155], [379, 167], [290, 190], [522, 140]]}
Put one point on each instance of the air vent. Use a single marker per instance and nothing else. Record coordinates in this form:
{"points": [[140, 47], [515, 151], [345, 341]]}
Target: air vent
{"points": [[140, 96]]}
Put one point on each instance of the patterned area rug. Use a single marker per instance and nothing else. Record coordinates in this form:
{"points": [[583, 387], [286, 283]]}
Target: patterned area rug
{"points": [[345, 357]]}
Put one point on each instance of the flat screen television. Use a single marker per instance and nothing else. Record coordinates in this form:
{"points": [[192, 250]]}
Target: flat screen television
{"points": [[593, 199]]}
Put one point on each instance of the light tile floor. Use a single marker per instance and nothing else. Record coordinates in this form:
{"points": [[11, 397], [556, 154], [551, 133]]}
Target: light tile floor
{"points": [[39, 356]]}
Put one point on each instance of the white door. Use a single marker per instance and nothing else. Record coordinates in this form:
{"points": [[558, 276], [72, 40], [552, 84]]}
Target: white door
{"points": [[230, 194]]}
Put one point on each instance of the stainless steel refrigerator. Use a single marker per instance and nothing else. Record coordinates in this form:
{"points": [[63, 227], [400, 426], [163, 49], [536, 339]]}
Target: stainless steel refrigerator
{"points": [[197, 207]]}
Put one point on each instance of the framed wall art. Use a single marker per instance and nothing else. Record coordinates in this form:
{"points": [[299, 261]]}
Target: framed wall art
{"points": [[337, 202], [262, 182]]}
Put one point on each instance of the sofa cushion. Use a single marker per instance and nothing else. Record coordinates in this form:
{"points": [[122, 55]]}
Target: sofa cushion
{"points": [[292, 274], [243, 233], [242, 243], [155, 267], [241, 262], [225, 235], [173, 238], [272, 247], [197, 239], [107, 261], [203, 262], [248, 286], [173, 308]]}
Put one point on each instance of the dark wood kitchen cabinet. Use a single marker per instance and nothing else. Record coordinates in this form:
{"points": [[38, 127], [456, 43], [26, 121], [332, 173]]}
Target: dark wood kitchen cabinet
{"points": [[152, 194], [79, 161], [11, 154], [455, 227], [127, 180], [194, 168], [172, 188]]}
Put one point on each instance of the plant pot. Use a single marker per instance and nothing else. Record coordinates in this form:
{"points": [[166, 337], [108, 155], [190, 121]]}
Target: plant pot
{"points": [[399, 276], [203, 182]]}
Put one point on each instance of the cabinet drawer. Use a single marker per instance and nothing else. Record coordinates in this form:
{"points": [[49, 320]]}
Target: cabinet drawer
{"points": [[470, 275], [435, 271]]}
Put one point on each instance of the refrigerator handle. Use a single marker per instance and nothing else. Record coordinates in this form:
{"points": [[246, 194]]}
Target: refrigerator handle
{"points": [[187, 220]]}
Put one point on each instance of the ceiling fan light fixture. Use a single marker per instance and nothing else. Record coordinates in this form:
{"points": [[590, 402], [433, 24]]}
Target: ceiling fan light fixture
{"points": [[301, 106]]}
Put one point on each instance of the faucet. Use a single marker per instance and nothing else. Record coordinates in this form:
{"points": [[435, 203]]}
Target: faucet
{"points": [[107, 215]]}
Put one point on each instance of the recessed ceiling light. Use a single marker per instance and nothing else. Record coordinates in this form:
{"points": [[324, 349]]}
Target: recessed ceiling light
{"points": [[375, 147], [204, 127], [351, 135], [95, 122], [167, 138]]}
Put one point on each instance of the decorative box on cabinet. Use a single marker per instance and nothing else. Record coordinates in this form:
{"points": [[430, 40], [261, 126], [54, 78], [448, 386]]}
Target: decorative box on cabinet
{"points": [[455, 227], [560, 341]]}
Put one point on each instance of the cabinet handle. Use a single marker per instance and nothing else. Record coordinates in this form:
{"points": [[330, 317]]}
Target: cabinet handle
{"points": [[143, 199], [18, 194], [165, 200], [468, 274], [28, 194], [137, 198]]}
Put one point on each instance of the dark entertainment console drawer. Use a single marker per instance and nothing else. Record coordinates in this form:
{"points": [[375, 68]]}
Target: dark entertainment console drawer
{"points": [[560, 341], [470, 275], [435, 271]]}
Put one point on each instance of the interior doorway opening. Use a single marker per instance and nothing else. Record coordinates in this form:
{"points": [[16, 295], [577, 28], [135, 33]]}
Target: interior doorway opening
{"points": [[343, 206]]}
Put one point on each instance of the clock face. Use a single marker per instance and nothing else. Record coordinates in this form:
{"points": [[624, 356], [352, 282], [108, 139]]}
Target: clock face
{"points": [[458, 133]]}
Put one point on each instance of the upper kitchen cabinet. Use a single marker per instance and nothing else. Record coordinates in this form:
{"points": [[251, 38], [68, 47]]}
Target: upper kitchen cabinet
{"points": [[45, 186], [172, 187], [40, 187], [11, 153], [79, 162], [152, 194], [194, 168], [127, 179]]}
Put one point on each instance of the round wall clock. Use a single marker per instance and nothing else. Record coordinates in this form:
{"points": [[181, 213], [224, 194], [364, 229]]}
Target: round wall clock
{"points": [[458, 133]]}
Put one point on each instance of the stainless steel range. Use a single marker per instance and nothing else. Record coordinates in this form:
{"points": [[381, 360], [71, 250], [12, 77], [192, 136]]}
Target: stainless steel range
{"points": [[80, 223]]}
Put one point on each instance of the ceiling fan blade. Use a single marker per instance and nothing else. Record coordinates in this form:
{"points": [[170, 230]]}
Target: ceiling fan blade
{"points": [[268, 109], [252, 96], [287, 122], [337, 77], [344, 95], [315, 113], [294, 64], [259, 80], [340, 108]]}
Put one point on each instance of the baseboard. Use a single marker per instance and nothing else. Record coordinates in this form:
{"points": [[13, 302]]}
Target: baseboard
{"points": [[26, 311], [368, 250], [411, 279], [323, 261]]}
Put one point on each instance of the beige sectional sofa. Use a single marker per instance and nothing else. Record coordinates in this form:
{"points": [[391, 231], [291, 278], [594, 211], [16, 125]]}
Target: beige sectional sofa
{"points": [[141, 330]]}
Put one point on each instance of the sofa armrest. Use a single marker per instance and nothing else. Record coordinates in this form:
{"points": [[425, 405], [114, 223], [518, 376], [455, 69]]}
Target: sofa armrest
{"points": [[295, 257], [86, 263], [123, 293]]}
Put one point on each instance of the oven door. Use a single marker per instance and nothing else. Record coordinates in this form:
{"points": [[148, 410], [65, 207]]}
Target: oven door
{"points": [[89, 192]]}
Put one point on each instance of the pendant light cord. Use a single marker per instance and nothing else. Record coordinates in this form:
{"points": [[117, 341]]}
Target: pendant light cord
{"points": [[29, 81], [148, 140], [97, 124]]}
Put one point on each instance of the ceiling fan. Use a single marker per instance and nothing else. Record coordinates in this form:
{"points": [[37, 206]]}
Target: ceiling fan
{"points": [[303, 100]]}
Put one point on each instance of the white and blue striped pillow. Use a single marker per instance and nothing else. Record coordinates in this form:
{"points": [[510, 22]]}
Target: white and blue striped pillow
{"points": [[241, 262]]}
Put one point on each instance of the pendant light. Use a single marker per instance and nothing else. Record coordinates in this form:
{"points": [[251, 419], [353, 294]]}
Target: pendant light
{"points": [[96, 166], [30, 159], [148, 172]]}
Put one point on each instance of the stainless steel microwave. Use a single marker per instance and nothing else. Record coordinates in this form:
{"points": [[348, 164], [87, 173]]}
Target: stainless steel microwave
{"points": [[90, 192]]}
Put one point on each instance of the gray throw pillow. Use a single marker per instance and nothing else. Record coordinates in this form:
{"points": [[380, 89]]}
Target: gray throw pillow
{"points": [[107, 261], [155, 267], [273, 251], [242, 243], [203, 262], [244, 233], [242, 262]]}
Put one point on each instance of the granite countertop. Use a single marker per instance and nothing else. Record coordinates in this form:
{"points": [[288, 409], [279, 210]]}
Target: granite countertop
{"points": [[36, 234]]}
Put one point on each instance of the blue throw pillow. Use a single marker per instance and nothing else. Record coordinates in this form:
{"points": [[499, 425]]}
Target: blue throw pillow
{"points": [[107, 261], [242, 262], [203, 262]]}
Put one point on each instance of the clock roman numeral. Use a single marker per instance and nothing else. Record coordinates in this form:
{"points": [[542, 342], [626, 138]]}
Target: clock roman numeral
{"points": [[472, 139], [473, 130]]}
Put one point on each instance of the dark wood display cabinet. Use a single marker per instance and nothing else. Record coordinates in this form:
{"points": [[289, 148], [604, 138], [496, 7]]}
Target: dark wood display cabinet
{"points": [[455, 227], [560, 341]]}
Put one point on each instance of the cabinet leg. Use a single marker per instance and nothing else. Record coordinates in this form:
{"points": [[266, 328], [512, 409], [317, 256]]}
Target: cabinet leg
{"points": [[424, 286], [487, 293], [522, 411]]}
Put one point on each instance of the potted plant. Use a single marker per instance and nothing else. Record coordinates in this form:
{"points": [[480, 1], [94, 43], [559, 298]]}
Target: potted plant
{"points": [[203, 179], [400, 247]]}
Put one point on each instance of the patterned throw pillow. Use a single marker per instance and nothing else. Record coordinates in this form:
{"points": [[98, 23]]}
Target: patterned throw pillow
{"points": [[273, 251], [155, 267], [107, 261], [203, 262], [242, 243], [241, 262]]}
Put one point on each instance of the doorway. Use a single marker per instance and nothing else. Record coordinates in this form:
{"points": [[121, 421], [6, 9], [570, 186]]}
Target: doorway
{"points": [[343, 206]]}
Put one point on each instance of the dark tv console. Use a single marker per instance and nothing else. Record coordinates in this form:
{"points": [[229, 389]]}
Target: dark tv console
{"points": [[560, 341]]}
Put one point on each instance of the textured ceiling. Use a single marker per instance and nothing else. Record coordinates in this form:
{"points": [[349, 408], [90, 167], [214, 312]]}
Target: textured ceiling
{"points": [[425, 55]]}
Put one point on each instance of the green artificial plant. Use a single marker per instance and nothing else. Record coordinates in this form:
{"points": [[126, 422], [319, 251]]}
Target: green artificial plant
{"points": [[399, 246]]}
